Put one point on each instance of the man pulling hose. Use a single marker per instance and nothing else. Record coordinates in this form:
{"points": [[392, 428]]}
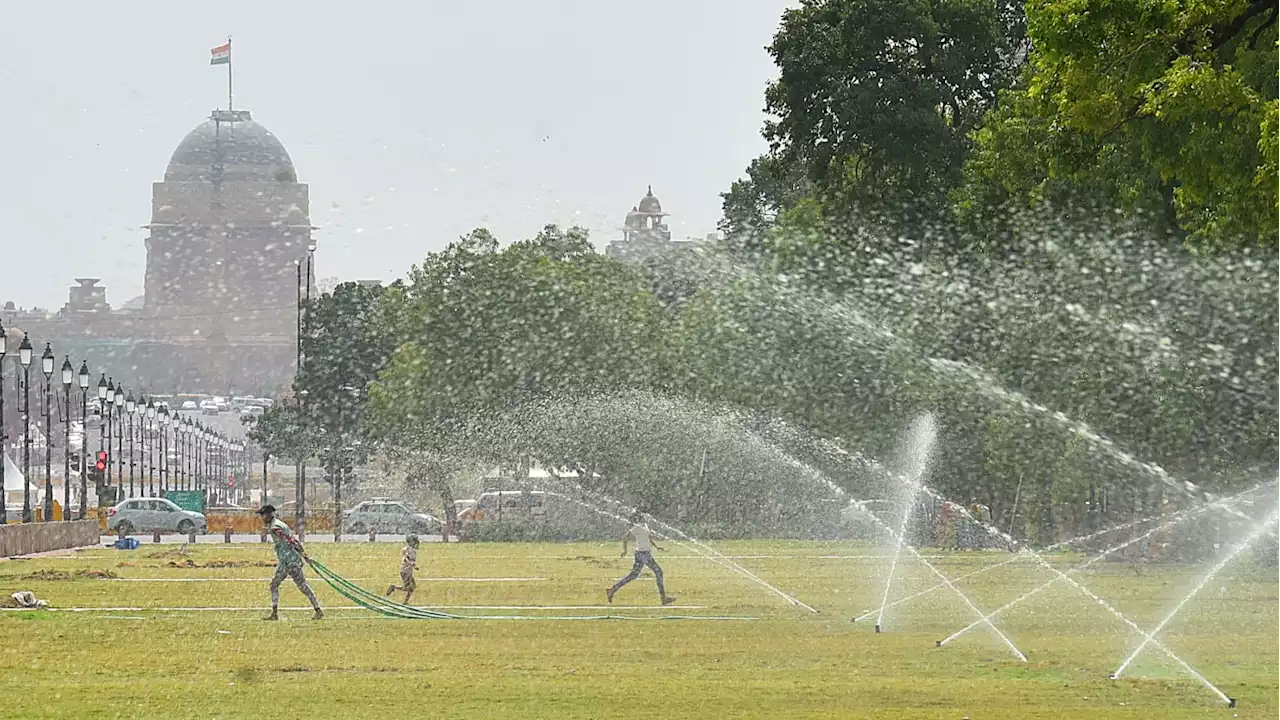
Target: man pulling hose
{"points": [[289, 557]]}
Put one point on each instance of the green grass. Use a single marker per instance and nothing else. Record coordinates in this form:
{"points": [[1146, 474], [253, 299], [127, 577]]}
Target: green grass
{"points": [[788, 663]]}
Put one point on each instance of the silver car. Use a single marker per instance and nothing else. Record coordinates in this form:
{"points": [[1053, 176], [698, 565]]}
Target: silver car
{"points": [[388, 516], [154, 515]]}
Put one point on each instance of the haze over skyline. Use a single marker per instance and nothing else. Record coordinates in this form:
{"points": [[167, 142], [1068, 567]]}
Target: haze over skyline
{"points": [[411, 124]]}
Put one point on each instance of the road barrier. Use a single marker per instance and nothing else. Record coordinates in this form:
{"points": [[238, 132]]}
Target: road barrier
{"points": [[28, 538]]}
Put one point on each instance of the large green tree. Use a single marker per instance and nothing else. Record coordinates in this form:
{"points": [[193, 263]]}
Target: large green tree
{"points": [[485, 331], [875, 102], [1164, 107]]}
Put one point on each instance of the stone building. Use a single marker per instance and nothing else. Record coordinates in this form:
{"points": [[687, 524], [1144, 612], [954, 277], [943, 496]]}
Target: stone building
{"points": [[645, 233], [230, 229]]}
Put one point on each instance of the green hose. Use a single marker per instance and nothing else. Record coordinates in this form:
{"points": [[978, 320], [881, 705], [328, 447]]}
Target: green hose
{"points": [[390, 608], [370, 601]]}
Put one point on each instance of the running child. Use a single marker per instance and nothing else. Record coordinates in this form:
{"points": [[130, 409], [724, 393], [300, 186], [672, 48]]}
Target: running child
{"points": [[643, 558], [289, 557], [408, 563]]}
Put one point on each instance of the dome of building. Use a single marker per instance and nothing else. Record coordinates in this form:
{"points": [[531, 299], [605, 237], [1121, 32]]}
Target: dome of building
{"points": [[246, 151], [649, 205]]}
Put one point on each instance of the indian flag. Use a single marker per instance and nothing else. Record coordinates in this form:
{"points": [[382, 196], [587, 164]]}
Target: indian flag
{"points": [[221, 55]]}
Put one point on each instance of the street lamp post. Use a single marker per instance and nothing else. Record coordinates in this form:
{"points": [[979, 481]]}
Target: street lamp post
{"points": [[164, 449], [46, 367], [180, 435], [130, 407], [106, 393], [151, 449], [68, 374], [83, 377], [24, 359], [119, 415], [141, 408], [4, 426], [196, 441]]}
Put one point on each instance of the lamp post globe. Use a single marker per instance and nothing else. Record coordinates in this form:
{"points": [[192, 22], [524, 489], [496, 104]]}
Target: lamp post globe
{"points": [[102, 387], [24, 352], [68, 373], [46, 361], [83, 375], [129, 405]]}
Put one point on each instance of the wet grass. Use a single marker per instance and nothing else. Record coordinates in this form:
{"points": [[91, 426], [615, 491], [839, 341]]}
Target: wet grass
{"points": [[787, 663]]}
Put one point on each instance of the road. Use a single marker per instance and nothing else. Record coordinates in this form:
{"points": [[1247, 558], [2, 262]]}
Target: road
{"points": [[227, 423]]}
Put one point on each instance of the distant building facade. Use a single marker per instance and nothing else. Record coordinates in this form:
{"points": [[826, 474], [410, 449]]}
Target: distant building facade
{"points": [[230, 228], [645, 233]]}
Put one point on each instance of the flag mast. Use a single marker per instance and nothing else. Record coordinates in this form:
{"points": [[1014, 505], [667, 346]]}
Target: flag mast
{"points": [[229, 95]]}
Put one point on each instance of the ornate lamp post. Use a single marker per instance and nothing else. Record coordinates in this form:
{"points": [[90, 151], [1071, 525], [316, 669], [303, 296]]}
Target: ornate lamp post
{"points": [[68, 375], [83, 378], [46, 367], [4, 426], [119, 415], [130, 407], [106, 401], [24, 359], [151, 449], [180, 433], [164, 449]]}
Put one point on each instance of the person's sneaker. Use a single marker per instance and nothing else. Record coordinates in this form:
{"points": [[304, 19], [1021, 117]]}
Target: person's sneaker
{"points": [[668, 600], [319, 615], [609, 594], [390, 589], [272, 616]]}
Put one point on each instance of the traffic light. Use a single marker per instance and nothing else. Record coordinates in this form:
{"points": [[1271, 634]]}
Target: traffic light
{"points": [[102, 461]]}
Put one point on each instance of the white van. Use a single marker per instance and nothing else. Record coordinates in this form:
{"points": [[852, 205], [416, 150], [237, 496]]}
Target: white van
{"points": [[506, 504]]}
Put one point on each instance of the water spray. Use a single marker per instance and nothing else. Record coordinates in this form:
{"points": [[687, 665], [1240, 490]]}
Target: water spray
{"points": [[1150, 637], [923, 434], [1170, 521], [1080, 568], [724, 562]]}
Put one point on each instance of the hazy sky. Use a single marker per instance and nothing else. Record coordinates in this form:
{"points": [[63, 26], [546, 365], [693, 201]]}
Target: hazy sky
{"points": [[413, 122]]}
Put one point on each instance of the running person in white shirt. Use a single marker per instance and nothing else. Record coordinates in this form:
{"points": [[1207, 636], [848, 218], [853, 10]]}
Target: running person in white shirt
{"points": [[644, 557]]}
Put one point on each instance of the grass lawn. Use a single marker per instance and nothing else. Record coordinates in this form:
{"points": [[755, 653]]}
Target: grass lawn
{"points": [[784, 663]]}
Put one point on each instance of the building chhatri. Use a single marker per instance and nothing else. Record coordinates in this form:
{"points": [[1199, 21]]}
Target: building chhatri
{"points": [[645, 233]]}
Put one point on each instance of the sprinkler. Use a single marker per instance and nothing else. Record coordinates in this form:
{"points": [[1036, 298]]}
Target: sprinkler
{"points": [[1113, 676], [937, 643], [877, 628], [1231, 702]]}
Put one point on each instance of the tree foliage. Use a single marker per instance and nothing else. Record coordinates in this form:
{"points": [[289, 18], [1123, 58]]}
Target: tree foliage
{"points": [[874, 103], [1168, 108]]}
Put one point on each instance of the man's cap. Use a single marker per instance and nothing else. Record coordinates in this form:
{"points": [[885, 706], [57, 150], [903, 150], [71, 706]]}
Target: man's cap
{"points": [[266, 509]]}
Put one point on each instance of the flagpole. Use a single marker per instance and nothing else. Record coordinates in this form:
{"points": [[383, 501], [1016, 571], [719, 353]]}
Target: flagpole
{"points": [[229, 95]]}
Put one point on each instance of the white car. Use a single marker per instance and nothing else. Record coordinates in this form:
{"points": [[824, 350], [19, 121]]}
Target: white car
{"points": [[190, 405], [209, 407]]}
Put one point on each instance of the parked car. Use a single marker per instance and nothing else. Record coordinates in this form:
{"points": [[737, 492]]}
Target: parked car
{"points": [[252, 411], [209, 407], [154, 515], [510, 504], [389, 516], [190, 405]]}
